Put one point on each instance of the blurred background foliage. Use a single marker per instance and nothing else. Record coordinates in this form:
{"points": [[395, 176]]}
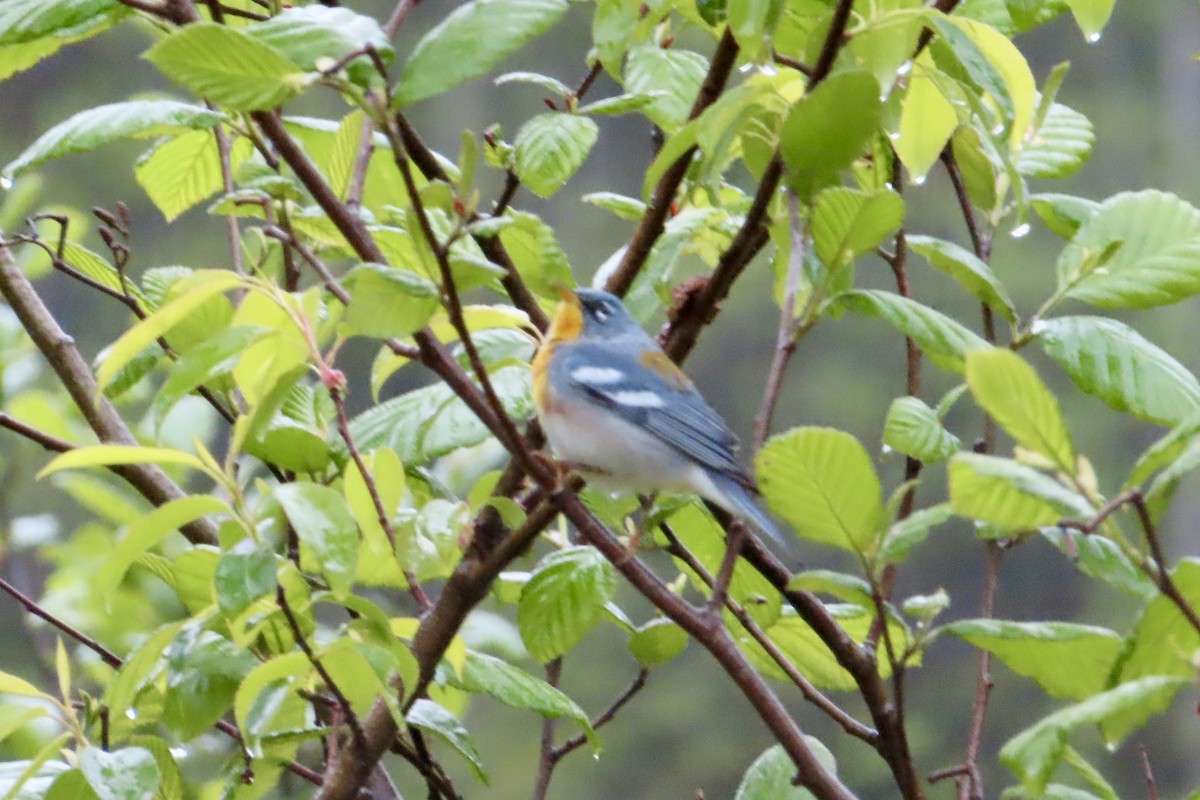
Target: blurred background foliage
{"points": [[687, 732]]}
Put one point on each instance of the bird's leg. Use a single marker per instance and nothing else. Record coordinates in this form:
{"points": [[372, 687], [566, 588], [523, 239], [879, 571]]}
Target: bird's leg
{"points": [[646, 501], [733, 548]]}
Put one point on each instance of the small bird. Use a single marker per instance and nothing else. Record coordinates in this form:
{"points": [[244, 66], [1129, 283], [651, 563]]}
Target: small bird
{"points": [[617, 409]]}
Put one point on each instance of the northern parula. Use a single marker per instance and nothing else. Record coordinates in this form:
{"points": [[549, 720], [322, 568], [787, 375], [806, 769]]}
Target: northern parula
{"points": [[617, 409]]}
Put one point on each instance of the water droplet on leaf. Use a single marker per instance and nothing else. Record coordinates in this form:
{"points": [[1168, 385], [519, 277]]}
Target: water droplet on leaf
{"points": [[1021, 231]]}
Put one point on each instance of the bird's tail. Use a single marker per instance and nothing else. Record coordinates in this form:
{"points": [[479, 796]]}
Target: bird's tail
{"points": [[740, 502]]}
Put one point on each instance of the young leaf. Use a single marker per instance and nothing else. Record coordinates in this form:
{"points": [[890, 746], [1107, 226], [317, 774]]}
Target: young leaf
{"points": [[87, 130], [1063, 213], [907, 533], [1067, 660], [943, 339], [1158, 260], [470, 41], [1034, 753], [674, 74], [228, 67], [962, 265], [429, 716], [29, 20], [927, 120], [203, 363], [310, 35], [1091, 16], [11, 684], [822, 483], [516, 688], [657, 642], [1112, 361], [1010, 391], [913, 428], [1060, 145], [108, 455], [1163, 622], [828, 129], [323, 523], [181, 172], [563, 599], [847, 223], [1010, 495], [771, 776], [130, 773], [386, 301], [550, 148]]}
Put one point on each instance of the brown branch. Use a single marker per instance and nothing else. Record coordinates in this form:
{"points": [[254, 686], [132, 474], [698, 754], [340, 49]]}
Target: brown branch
{"points": [[834, 39], [577, 741], [654, 220], [59, 350], [231, 220], [397, 17], [47, 441], [546, 759], [970, 783]]}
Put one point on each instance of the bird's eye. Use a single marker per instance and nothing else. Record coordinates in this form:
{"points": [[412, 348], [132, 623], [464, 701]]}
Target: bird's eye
{"points": [[600, 311]]}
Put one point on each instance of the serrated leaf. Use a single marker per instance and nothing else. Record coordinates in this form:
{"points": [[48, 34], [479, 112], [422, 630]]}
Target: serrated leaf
{"points": [[1110, 360], [323, 522], [822, 483], [913, 428], [621, 104], [130, 773], [1011, 392], [550, 148], [907, 533], [534, 248], [228, 67], [386, 301], [470, 41], [1102, 558], [1158, 260], [183, 171], [847, 223], [828, 129], [23, 21], [966, 268], [927, 120], [772, 775], [200, 287], [941, 338], [429, 716], [1163, 640], [629, 208], [1034, 753], [562, 600], [675, 74], [1010, 495], [1068, 661], [517, 688], [311, 35], [1063, 213], [1059, 147], [87, 130], [203, 363]]}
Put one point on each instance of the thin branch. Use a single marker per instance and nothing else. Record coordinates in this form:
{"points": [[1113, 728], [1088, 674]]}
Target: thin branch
{"points": [[970, 784], [231, 220], [397, 17], [546, 759], [47, 441], [579, 740], [59, 350], [785, 336], [833, 41], [654, 220]]}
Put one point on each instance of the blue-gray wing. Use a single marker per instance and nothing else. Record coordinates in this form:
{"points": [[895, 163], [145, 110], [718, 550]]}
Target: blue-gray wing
{"points": [[667, 406]]}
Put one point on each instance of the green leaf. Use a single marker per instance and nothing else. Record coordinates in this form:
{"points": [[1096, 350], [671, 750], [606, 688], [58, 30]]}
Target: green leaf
{"points": [[470, 41], [202, 364], [913, 428], [24, 21], [550, 148], [621, 104], [1011, 392], [944, 340], [1034, 753], [1163, 641], [563, 600], [966, 268], [1091, 16], [772, 775], [927, 120], [107, 455], [1103, 559], [1063, 213], [180, 172], [822, 483], [311, 35], [323, 522], [907, 533], [658, 641], [228, 67], [847, 588], [1110, 360], [194, 291], [518, 689], [11, 684], [535, 250], [87, 130], [243, 576], [553, 85], [261, 704], [429, 716], [1067, 660], [1060, 145], [386, 301], [847, 223], [147, 531], [1158, 260], [127, 774], [1010, 495], [675, 74], [629, 208], [828, 129]]}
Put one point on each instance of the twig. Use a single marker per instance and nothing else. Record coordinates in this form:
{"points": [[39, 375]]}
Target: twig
{"points": [[796, 64], [970, 784], [546, 759], [654, 220], [51, 443], [397, 17], [1148, 773], [785, 336], [231, 220], [577, 741], [833, 41], [76, 376], [733, 547]]}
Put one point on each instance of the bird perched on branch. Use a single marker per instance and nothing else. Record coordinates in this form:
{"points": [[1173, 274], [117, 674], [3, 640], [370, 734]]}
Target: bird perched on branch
{"points": [[617, 409]]}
